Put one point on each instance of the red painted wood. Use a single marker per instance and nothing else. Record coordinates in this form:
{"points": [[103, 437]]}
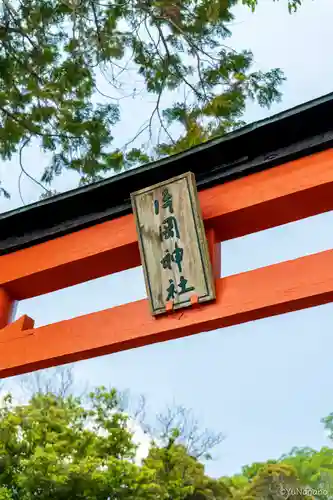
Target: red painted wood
{"points": [[282, 194], [6, 306], [277, 289]]}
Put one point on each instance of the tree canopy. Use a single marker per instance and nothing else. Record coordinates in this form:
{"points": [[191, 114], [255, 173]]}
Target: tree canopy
{"points": [[60, 447], [54, 55]]}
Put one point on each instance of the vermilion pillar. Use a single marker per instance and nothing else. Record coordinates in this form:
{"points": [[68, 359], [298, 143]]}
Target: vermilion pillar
{"points": [[6, 308]]}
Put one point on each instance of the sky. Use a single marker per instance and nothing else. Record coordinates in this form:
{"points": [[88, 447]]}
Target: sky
{"points": [[265, 384]]}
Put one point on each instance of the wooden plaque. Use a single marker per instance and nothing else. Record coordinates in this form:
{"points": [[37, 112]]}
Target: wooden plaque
{"points": [[173, 244]]}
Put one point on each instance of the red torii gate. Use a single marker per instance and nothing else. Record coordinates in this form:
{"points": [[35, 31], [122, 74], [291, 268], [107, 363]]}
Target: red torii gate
{"points": [[40, 257]]}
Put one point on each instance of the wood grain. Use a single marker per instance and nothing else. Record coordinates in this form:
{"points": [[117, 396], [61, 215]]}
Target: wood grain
{"points": [[169, 225]]}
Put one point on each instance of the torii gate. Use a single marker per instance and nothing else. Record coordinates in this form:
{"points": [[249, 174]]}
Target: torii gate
{"points": [[267, 174]]}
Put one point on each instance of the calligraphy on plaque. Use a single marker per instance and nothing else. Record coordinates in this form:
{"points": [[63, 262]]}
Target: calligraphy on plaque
{"points": [[173, 244]]}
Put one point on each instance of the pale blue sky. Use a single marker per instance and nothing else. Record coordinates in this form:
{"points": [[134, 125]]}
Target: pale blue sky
{"points": [[264, 384]]}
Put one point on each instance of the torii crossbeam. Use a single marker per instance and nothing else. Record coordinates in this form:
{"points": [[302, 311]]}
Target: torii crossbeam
{"points": [[267, 174]]}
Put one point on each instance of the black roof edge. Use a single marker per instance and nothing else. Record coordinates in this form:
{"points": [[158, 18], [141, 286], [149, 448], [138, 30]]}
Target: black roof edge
{"points": [[297, 132]]}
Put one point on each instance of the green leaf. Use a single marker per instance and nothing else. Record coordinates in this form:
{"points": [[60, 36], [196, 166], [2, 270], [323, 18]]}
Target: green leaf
{"points": [[54, 55]]}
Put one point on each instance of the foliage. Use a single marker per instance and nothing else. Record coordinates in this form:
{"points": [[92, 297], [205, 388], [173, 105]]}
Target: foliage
{"points": [[181, 475], [61, 447], [303, 471], [272, 481], [54, 54], [56, 447]]}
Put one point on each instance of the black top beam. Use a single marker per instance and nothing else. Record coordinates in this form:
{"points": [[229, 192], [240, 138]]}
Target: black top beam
{"points": [[289, 135]]}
